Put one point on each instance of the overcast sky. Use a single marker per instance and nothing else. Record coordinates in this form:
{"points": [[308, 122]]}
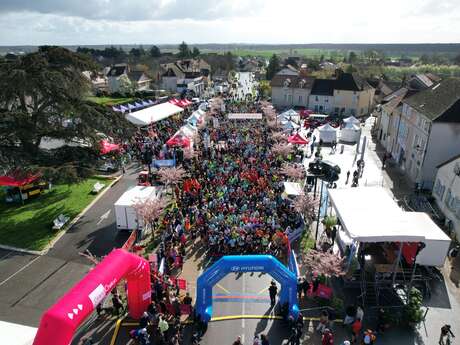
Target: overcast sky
{"points": [[63, 22]]}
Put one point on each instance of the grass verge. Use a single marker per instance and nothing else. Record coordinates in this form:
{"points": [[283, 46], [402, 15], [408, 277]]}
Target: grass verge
{"points": [[306, 242], [29, 226], [109, 100]]}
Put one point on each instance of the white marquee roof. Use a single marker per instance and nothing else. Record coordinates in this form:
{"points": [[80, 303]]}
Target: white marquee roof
{"points": [[153, 114], [369, 214]]}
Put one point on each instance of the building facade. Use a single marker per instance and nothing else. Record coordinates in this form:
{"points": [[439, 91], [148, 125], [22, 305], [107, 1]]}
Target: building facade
{"points": [[345, 95], [446, 192], [422, 129]]}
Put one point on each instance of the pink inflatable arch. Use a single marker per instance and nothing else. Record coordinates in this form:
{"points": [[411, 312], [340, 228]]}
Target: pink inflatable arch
{"points": [[59, 323]]}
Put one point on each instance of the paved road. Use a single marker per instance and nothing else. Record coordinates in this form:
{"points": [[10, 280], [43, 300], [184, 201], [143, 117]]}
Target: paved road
{"points": [[245, 85], [243, 294], [30, 284]]}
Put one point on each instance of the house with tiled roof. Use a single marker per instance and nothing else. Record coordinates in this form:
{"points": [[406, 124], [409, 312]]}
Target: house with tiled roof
{"points": [[290, 90], [192, 74], [120, 77], [346, 94], [427, 132]]}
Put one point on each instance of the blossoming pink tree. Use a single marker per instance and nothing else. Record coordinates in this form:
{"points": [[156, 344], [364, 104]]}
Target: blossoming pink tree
{"points": [[323, 263], [150, 210], [281, 149], [292, 170], [307, 206], [172, 176], [279, 137]]}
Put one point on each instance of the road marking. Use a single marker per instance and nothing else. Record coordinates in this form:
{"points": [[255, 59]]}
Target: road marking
{"points": [[103, 217], [23, 268], [221, 287], [243, 322], [115, 332], [263, 290], [249, 316]]}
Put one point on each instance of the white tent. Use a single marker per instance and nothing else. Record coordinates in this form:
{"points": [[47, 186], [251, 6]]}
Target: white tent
{"points": [[292, 189], [289, 125], [188, 130], [350, 133], [327, 133], [351, 119], [15, 334], [370, 215], [290, 112], [153, 114]]}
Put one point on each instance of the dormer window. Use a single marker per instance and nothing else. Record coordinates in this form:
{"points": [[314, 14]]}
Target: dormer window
{"points": [[287, 82]]}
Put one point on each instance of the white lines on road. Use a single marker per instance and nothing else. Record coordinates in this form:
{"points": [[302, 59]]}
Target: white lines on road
{"points": [[18, 271], [103, 217]]}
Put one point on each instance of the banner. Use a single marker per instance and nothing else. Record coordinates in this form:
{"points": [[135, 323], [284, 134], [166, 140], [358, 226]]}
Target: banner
{"points": [[182, 284], [245, 116]]}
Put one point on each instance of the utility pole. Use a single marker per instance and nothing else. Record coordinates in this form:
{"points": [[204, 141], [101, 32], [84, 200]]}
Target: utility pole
{"points": [[319, 212]]}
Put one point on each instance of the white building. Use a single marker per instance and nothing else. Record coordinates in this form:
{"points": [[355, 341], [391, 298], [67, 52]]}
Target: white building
{"points": [[446, 191], [428, 131]]}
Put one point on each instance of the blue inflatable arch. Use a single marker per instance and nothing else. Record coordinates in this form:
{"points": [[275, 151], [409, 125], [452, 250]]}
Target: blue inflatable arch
{"points": [[241, 264]]}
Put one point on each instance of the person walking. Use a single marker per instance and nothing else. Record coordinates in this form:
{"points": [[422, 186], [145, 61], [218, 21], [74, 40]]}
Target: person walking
{"points": [[356, 330], [384, 160], [117, 304], [299, 288], [264, 340], [273, 291], [238, 341], [348, 177], [446, 333], [327, 337]]}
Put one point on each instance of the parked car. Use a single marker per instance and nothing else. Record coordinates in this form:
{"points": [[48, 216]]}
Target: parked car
{"points": [[328, 171]]}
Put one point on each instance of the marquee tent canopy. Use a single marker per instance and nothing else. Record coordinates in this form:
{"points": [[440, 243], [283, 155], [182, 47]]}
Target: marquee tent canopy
{"points": [[153, 114], [290, 112], [350, 133], [351, 119], [288, 125], [327, 133], [298, 139], [370, 215], [12, 181], [179, 139], [107, 147]]}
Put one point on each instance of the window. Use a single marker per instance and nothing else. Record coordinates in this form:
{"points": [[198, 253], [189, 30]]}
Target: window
{"points": [[449, 199], [316, 99], [300, 99], [439, 189], [362, 111], [326, 99]]}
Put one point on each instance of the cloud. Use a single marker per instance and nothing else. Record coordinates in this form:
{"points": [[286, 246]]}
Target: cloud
{"points": [[135, 10]]}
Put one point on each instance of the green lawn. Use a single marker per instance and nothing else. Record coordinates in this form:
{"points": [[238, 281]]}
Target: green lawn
{"points": [[109, 100], [30, 226]]}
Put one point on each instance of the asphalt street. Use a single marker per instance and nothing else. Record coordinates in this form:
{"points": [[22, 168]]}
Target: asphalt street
{"points": [[239, 295], [30, 284]]}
